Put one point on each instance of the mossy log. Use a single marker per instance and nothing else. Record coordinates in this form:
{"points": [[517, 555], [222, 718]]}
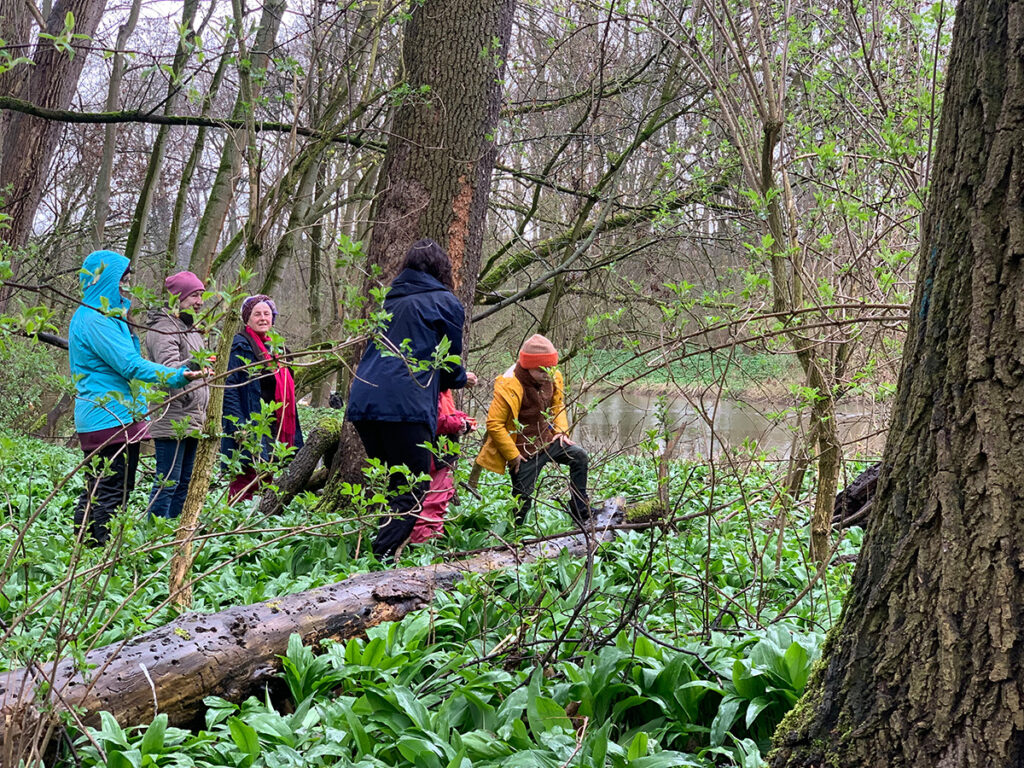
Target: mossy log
{"points": [[235, 653], [322, 443]]}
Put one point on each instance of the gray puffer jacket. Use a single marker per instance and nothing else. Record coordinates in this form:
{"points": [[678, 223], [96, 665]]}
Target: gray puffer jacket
{"points": [[171, 341]]}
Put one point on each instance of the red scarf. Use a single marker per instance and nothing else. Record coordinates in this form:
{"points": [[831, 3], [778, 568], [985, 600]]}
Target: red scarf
{"points": [[284, 390]]}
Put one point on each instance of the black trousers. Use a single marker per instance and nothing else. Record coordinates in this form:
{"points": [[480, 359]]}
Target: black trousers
{"points": [[394, 443], [525, 480], [106, 491]]}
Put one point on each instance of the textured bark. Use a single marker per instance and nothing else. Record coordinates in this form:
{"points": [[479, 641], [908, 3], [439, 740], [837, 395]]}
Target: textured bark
{"points": [[437, 171], [854, 501], [322, 443], [436, 175], [926, 666], [235, 653], [15, 26], [29, 142]]}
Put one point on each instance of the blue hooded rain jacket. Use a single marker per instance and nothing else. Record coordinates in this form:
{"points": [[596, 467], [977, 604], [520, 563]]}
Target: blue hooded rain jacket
{"points": [[104, 353]]}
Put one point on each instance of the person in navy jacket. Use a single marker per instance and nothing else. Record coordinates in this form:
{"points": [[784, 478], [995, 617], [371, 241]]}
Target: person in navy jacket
{"points": [[256, 375], [393, 401]]}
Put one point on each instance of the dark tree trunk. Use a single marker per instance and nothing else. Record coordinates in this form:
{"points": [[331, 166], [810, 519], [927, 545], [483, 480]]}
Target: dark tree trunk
{"points": [[853, 503], [926, 668], [322, 443], [15, 26], [436, 176], [437, 171], [235, 653], [29, 142]]}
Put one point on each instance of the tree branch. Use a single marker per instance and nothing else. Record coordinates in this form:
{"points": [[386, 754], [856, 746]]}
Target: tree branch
{"points": [[150, 118]]}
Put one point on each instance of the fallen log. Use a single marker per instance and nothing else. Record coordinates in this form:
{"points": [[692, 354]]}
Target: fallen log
{"points": [[321, 444], [234, 653], [853, 503]]}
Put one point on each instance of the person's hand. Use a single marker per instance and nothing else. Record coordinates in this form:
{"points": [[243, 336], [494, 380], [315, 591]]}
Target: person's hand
{"points": [[564, 439], [471, 379], [470, 424], [202, 373], [516, 462]]}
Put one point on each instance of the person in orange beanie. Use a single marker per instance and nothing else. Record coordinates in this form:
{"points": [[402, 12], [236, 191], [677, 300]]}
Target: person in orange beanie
{"points": [[527, 427]]}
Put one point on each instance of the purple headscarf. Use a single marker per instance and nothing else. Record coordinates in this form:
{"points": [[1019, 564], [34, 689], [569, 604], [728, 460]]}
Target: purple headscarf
{"points": [[252, 301]]}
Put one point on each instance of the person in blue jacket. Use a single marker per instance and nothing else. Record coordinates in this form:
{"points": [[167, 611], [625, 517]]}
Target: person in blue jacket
{"points": [[393, 401], [105, 359]]}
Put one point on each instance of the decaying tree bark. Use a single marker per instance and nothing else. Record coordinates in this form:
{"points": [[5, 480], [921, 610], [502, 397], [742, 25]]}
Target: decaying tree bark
{"points": [[926, 668], [234, 653], [437, 171]]}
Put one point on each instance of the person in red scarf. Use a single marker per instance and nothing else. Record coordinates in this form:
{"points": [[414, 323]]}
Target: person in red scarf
{"points": [[256, 375]]}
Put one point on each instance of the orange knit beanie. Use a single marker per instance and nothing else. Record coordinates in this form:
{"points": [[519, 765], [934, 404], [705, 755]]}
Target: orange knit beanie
{"points": [[538, 352]]}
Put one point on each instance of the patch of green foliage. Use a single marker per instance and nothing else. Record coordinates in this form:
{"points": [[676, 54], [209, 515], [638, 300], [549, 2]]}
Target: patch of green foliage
{"points": [[739, 371], [682, 644], [30, 373]]}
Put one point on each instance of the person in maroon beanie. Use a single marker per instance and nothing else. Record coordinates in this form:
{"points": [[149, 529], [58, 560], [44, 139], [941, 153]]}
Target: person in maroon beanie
{"points": [[173, 340]]}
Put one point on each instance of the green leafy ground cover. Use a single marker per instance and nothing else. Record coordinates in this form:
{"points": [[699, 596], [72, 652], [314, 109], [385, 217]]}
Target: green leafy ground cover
{"points": [[674, 646]]}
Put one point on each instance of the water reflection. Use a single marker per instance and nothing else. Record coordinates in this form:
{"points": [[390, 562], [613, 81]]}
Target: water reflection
{"points": [[621, 421]]}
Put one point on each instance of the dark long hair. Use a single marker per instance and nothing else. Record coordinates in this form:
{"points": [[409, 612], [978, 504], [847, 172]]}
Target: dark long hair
{"points": [[427, 256]]}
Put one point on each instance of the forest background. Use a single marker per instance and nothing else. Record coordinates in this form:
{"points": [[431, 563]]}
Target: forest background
{"points": [[709, 200]]}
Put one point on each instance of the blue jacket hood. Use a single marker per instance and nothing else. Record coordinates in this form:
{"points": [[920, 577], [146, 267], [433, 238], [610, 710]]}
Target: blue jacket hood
{"points": [[104, 354], [100, 278]]}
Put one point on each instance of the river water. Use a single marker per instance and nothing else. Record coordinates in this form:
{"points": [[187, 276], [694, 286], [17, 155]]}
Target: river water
{"points": [[619, 422]]}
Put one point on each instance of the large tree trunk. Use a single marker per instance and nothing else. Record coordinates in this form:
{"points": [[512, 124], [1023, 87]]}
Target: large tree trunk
{"points": [[15, 27], [29, 142], [235, 653], [436, 177], [926, 667]]}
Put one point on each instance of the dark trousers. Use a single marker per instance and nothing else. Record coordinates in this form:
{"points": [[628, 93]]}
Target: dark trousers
{"points": [[174, 460], [106, 489], [525, 480], [394, 443]]}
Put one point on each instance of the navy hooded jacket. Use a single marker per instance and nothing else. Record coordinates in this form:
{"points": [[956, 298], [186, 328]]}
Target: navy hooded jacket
{"points": [[423, 311]]}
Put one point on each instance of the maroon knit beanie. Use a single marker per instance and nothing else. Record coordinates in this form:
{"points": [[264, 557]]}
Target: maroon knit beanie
{"points": [[184, 283], [538, 352]]}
